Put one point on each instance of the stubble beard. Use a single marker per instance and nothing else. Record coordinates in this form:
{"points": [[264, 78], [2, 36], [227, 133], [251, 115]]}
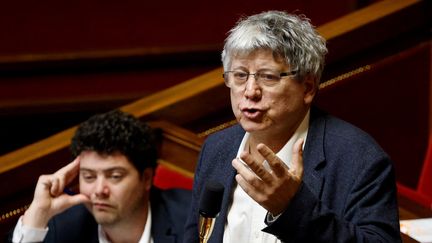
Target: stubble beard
{"points": [[106, 218], [115, 216]]}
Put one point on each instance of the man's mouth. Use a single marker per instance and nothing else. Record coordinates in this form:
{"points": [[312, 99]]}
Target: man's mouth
{"points": [[252, 113], [101, 206]]}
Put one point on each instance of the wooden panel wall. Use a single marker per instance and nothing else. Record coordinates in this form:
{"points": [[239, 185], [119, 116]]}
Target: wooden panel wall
{"points": [[73, 59]]}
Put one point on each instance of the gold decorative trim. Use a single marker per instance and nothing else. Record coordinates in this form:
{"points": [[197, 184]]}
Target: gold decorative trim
{"points": [[182, 142], [217, 128], [345, 76], [175, 168], [105, 54], [14, 212]]}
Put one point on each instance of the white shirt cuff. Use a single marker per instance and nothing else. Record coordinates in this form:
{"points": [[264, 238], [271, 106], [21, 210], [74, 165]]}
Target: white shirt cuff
{"points": [[24, 234]]}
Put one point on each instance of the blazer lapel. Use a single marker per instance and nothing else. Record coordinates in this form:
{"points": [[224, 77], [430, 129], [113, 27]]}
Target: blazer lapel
{"points": [[227, 179], [313, 155]]}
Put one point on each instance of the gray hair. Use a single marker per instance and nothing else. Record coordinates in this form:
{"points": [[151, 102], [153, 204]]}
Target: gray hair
{"points": [[288, 36]]}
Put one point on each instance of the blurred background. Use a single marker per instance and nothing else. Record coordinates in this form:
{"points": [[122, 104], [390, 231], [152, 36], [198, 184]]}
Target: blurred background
{"points": [[61, 61]]}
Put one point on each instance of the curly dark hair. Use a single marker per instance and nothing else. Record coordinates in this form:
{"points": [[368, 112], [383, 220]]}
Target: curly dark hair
{"points": [[117, 131]]}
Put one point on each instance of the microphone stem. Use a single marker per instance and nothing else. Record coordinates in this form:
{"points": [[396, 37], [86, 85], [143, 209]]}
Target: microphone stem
{"points": [[205, 228]]}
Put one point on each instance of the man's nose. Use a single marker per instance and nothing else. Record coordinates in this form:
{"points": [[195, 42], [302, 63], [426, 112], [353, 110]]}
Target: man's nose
{"points": [[252, 88], [101, 188]]}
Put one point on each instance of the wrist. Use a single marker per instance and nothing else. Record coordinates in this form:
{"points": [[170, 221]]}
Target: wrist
{"points": [[35, 217]]}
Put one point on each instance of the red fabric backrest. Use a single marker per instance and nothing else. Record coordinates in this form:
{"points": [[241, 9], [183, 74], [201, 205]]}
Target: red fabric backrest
{"points": [[166, 178], [423, 193], [425, 181]]}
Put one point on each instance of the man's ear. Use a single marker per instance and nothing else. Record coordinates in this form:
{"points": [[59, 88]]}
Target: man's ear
{"points": [[310, 89], [147, 177]]}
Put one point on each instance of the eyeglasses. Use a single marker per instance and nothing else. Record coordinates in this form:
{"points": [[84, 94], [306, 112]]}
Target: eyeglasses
{"points": [[237, 79]]}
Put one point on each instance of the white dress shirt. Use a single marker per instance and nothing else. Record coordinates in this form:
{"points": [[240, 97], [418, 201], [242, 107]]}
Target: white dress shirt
{"points": [[245, 216], [24, 234]]}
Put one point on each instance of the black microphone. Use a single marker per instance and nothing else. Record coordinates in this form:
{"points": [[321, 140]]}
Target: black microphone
{"points": [[210, 205]]}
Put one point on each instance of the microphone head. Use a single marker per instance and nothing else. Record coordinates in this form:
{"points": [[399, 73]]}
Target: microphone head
{"points": [[211, 199]]}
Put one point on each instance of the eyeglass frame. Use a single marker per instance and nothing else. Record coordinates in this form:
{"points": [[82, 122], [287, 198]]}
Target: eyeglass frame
{"points": [[281, 75]]}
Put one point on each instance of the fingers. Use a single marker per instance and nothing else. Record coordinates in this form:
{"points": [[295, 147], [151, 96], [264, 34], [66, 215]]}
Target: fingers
{"points": [[255, 169], [246, 178], [66, 201], [63, 177], [277, 166], [49, 198], [242, 172], [274, 186], [250, 168], [55, 189], [243, 169], [70, 171], [55, 183]]}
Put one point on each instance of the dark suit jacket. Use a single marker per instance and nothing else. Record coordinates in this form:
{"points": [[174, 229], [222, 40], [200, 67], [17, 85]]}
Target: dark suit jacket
{"points": [[168, 217], [348, 192]]}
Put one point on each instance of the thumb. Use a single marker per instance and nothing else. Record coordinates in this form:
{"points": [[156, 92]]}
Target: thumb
{"points": [[297, 158], [66, 201]]}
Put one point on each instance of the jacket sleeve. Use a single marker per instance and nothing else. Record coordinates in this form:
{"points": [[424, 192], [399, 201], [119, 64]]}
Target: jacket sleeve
{"points": [[369, 213]]}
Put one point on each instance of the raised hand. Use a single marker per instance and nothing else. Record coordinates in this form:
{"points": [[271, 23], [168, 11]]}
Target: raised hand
{"points": [[272, 188], [49, 198]]}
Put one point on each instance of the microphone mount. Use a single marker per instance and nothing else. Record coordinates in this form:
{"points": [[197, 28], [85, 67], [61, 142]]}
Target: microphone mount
{"points": [[210, 205]]}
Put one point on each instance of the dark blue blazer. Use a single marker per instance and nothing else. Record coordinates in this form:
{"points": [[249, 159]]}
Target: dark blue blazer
{"points": [[348, 192], [168, 207]]}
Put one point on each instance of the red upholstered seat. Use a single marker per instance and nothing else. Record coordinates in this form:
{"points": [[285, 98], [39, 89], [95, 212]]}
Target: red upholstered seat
{"points": [[167, 178], [425, 182], [423, 193]]}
